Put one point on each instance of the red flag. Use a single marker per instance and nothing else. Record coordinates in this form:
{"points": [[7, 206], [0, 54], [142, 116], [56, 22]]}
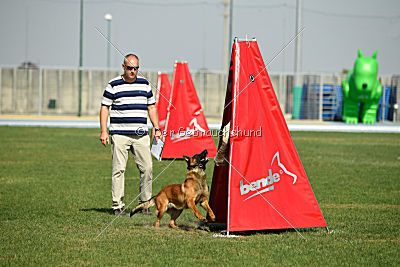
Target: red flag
{"points": [[162, 98], [265, 185], [187, 131]]}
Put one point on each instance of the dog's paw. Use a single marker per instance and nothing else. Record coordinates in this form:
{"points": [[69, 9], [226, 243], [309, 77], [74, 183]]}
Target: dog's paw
{"points": [[204, 228], [173, 226]]}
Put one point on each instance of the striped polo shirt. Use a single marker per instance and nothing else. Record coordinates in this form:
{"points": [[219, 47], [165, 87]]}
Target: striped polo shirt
{"points": [[128, 101]]}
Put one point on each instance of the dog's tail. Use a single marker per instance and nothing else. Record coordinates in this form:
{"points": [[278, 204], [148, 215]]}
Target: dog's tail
{"points": [[145, 205]]}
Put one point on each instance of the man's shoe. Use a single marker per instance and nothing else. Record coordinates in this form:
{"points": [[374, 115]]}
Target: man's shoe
{"points": [[146, 212], [119, 212]]}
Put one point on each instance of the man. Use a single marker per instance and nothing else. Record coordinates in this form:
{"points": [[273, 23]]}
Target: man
{"points": [[131, 99]]}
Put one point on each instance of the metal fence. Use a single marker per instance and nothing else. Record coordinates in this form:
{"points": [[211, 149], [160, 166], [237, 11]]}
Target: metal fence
{"points": [[51, 91]]}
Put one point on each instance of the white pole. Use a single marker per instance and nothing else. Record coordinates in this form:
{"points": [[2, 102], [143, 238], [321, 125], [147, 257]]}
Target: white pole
{"points": [[321, 89], [14, 104], [40, 91], [90, 87], [383, 101], [203, 65], [80, 59], [59, 80], [0, 90], [230, 30], [108, 18], [297, 88], [297, 62], [284, 38], [280, 93], [225, 46], [45, 96], [201, 87]]}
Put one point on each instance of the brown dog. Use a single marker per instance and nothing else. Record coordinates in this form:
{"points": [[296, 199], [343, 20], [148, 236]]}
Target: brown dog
{"points": [[174, 198]]}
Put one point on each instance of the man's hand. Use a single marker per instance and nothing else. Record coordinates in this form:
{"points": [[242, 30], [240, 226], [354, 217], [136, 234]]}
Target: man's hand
{"points": [[158, 135], [153, 114], [103, 125], [104, 138]]}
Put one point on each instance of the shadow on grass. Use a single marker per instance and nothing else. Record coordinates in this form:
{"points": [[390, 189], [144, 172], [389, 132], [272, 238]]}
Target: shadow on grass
{"points": [[221, 227], [102, 210]]}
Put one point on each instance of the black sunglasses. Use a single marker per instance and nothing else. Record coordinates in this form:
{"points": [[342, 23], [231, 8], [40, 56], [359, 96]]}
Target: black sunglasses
{"points": [[132, 68]]}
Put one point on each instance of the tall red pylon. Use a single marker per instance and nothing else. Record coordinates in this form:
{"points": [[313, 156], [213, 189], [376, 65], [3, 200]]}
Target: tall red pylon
{"points": [[186, 128], [163, 95], [261, 183]]}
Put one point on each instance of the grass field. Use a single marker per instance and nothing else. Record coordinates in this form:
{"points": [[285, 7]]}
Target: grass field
{"points": [[55, 199]]}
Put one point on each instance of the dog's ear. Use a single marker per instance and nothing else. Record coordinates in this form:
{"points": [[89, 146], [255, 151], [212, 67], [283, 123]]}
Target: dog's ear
{"points": [[204, 153], [186, 158]]}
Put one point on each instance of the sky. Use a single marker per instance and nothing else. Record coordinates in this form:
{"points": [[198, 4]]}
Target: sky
{"points": [[46, 32]]}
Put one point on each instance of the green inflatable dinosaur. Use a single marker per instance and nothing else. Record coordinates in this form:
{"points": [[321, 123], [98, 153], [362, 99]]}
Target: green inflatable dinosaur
{"points": [[362, 87]]}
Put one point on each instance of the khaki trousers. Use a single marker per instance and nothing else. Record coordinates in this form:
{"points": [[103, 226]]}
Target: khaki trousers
{"points": [[140, 148]]}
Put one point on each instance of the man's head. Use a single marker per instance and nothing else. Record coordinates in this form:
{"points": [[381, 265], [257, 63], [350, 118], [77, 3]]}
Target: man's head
{"points": [[130, 67]]}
